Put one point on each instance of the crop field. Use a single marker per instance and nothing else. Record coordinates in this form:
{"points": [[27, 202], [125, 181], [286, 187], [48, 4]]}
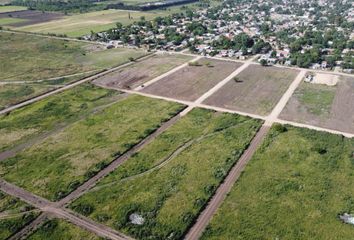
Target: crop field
{"points": [[4, 9], [56, 166], [324, 106], [58, 229], [14, 214], [295, 187], [28, 58], [140, 72], [169, 181], [192, 81], [82, 24], [28, 17], [255, 90], [53, 112]]}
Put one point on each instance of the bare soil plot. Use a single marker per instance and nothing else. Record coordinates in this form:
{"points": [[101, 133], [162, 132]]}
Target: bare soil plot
{"points": [[325, 106], [142, 71], [31, 17], [255, 90], [191, 82]]}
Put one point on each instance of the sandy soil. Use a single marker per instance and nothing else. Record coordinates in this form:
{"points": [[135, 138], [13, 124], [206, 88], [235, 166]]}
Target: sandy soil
{"points": [[141, 72], [341, 111], [326, 79], [191, 82], [257, 90]]}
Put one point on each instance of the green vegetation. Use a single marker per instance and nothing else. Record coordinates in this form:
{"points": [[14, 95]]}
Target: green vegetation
{"points": [[11, 8], [66, 159], [7, 21], [295, 187], [58, 229], [171, 179], [55, 111], [14, 214], [316, 98], [26, 58]]}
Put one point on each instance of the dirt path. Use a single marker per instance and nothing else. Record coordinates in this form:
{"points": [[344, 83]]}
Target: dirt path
{"points": [[35, 224], [204, 218]]}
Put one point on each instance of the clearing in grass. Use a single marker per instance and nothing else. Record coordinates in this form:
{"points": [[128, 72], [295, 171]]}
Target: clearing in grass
{"points": [[59, 229], [63, 161], [255, 90], [295, 187], [140, 72], [159, 192], [28, 58], [14, 214]]}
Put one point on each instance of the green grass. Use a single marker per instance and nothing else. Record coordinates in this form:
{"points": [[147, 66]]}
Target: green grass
{"points": [[172, 178], [63, 161], [7, 21], [14, 214], [57, 110], [10, 8], [295, 187], [58, 229], [316, 98], [27, 58]]}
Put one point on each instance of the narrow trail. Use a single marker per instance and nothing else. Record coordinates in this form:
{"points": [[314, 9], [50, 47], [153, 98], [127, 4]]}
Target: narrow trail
{"points": [[31, 227], [9, 215]]}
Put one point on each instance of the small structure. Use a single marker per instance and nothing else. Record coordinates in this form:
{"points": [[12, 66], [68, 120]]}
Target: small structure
{"points": [[347, 218], [309, 78], [136, 219]]}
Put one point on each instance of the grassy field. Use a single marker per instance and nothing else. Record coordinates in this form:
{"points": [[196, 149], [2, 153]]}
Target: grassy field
{"points": [[171, 179], [58, 110], [58, 229], [295, 187], [82, 24], [10, 8], [14, 214], [63, 161], [27, 58], [7, 21]]}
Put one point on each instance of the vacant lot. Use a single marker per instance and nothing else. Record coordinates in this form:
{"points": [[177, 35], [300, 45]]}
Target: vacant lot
{"points": [[192, 81], [58, 229], [29, 17], [14, 214], [295, 187], [56, 111], [63, 161], [170, 180], [27, 58], [255, 90], [82, 24], [140, 72], [324, 106]]}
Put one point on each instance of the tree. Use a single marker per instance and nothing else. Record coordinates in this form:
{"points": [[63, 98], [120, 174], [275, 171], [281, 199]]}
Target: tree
{"points": [[263, 62]]}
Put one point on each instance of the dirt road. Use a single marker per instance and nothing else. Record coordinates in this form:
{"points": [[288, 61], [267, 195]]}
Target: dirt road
{"points": [[204, 218]]}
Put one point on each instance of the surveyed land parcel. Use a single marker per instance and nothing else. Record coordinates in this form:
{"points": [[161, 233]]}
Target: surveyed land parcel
{"points": [[169, 181], [295, 187], [56, 166], [255, 90]]}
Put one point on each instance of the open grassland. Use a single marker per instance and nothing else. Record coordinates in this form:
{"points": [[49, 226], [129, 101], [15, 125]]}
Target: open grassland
{"points": [[192, 81], [14, 93], [171, 179], [140, 72], [10, 8], [256, 90], [27, 58], [7, 21], [295, 187], [55, 111], [14, 214], [324, 106], [82, 24], [58, 229], [66, 159]]}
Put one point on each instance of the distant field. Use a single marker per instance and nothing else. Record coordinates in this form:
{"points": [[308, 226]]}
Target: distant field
{"points": [[324, 106], [140, 72], [10, 8], [14, 214], [295, 187], [55, 111], [171, 179], [256, 90], [59, 164], [192, 81], [82, 24], [26, 58], [58, 229], [7, 21]]}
